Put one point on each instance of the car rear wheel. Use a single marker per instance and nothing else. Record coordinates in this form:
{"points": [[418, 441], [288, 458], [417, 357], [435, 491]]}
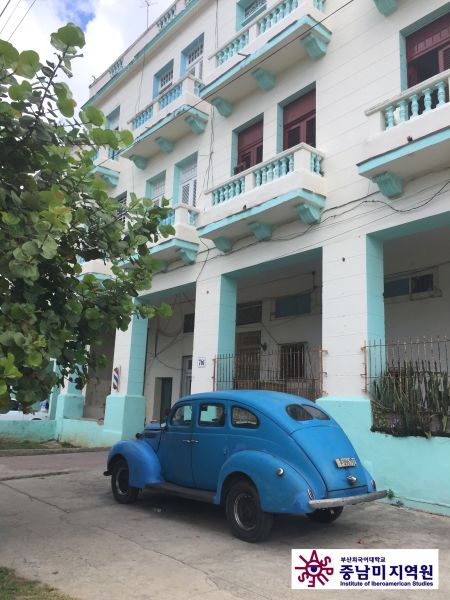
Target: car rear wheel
{"points": [[122, 491], [325, 515], [246, 519]]}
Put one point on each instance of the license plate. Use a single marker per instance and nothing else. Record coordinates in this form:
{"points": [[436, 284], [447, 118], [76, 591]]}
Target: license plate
{"points": [[345, 462]]}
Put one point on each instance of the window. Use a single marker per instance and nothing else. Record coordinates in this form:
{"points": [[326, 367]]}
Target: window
{"points": [[122, 210], [189, 322], [246, 10], [428, 50], [194, 61], [250, 312], [112, 122], [212, 415], [292, 361], [182, 417], [253, 8], [188, 182], [409, 286], [303, 412], [250, 147], [241, 417], [157, 188], [163, 79], [299, 121], [288, 306]]}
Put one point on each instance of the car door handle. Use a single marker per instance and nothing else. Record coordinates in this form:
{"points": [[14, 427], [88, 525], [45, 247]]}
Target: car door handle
{"points": [[187, 441], [194, 441]]}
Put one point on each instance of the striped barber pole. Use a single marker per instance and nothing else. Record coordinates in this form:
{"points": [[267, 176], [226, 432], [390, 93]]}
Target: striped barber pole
{"points": [[116, 379]]}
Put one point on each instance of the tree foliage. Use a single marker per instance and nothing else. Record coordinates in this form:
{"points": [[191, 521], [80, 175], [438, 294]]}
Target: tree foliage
{"points": [[54, 214]]}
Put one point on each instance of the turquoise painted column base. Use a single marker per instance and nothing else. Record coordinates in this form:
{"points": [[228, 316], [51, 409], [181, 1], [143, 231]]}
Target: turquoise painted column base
{"points": [[69, 406], [124, 415], [412, 467]]}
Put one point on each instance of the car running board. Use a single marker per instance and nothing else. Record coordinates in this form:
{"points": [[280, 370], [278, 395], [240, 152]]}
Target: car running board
{"points": [[183, 492]]}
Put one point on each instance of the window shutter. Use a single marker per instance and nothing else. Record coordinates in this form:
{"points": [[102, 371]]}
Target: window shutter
{"points": [[299, 121], [428, 38], [444, 59], [194, 61], [188, 183], [158, 188]]}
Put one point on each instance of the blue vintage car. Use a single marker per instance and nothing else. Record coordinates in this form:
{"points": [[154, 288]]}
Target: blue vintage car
{"points": [[254, 452]]}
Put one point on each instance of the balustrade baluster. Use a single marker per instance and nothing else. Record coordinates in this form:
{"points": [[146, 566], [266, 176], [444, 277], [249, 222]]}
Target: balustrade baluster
{"points": [[290, 163], [283, 166], [258, 178], [403, 106], [221, 195], [414, 99], [389, 115], [428, 101], [276, 169], [440, 86]]}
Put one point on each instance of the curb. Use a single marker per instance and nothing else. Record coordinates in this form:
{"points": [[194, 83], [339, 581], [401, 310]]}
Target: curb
{"points": [[42, 451], [34, 475]]}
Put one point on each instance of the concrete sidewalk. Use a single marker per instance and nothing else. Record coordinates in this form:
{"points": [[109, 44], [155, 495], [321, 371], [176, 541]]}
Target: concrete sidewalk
{"points": [[67, 531]]}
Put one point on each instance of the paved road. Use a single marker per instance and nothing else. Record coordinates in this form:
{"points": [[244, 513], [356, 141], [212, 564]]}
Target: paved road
{"points": [[23, 466], [67, 531]]}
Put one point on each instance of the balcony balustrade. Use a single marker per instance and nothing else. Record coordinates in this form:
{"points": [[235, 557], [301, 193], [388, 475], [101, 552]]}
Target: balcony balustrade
{"points": [[268, 41], [409, 136], [183, 244], [290, 185]]}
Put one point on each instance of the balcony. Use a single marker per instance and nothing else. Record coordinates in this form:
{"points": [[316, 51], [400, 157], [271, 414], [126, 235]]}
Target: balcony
{"points": [[285, 33], [183, 245], [288, 186], [172, 115], [107, 166], [409, 136]]}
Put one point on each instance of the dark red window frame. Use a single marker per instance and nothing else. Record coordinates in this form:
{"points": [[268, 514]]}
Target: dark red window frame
{"points": [[299, 121], [250, 147], [428, 50]]}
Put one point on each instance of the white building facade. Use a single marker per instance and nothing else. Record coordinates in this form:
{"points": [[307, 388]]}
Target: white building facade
{"points": [[305, 150]]}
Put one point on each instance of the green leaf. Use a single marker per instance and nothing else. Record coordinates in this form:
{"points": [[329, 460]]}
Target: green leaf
{"points": [[19, 339], [92, 115], [68, 36], [62, 90], [10, 219], [49, 248], [127, 137], [9, 56], [91, 314], [24, 270], [3, 388], [34, 359], [66, 107], [18, 92], [28, 64], [30, 248]]}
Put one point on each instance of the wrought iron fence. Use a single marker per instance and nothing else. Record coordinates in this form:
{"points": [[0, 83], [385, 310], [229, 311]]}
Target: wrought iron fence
{"points": [[293, 368], [408, 382]]}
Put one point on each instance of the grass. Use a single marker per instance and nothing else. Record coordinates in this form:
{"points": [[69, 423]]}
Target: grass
{"points": [[10, 444], [13, 587]]}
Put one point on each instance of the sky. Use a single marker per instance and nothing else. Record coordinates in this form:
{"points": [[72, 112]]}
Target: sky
{"points": [[110, 26]]}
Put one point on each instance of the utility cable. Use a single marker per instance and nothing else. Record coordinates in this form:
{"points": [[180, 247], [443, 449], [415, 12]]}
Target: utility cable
{"points": [[22, 19], [6, 6]]}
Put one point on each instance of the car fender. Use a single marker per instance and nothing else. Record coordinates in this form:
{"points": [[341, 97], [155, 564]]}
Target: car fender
{"points": [[284, 493], [143, 463]]}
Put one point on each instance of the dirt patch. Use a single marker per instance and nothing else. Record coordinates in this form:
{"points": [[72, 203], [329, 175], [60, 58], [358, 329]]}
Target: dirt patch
{"points": [[15, 588]]}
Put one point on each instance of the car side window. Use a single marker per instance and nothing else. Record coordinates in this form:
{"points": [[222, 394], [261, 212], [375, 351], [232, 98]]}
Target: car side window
{"points": [[211, 415], [182, 417], [241, 417]]}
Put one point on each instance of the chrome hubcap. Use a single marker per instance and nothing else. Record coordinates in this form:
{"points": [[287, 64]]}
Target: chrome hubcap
{"points": [[245, 511]]}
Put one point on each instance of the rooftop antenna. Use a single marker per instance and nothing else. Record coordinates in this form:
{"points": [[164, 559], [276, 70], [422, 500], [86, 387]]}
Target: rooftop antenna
{"points": [[147, 4]]}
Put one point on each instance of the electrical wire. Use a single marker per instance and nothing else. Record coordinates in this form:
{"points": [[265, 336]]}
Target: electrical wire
{"points": [[11, 14], [6, 6], [22, 19]]}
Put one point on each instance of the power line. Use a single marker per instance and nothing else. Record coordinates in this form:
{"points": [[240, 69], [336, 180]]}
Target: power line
{"points": [[22, 19], [9, 18], [6, 6]]}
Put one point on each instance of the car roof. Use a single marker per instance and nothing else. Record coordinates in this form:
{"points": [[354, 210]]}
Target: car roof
{"points": [[266, 402]]}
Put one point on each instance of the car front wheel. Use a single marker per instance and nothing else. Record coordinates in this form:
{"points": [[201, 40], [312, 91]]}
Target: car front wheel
{"points": [[325, 515], [246, 519], [122, 491]]}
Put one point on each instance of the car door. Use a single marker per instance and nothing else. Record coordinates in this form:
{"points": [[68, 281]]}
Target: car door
{"points": [[209, 443], [175, 447]]}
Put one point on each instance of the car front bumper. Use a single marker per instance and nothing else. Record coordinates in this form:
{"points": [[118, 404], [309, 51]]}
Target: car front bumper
{"points": [[344, 501]]}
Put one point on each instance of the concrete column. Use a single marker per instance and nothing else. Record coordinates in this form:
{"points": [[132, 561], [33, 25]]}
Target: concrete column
{"points": [[125, 407], [215, 327], [69, 405], [352, 311]]}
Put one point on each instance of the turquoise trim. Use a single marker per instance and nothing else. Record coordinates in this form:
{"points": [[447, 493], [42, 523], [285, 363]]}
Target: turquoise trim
{"points": [[165, 145], [410, 148], [136, 362], [264, 79], [308, 214], [150, 183], [223, 244], [389, 184], [261, 231], [187, 251], [70, 405], [277, 264], [227, 315], [386, 7], [320, 32], [403, 64], [114, 115], [416, 226], [187, 255], [197, 124], [257, 210], [224, 107], [124, 415], [241, 6], [33, 431], [111, 177], [314, 45], [141, 54]]}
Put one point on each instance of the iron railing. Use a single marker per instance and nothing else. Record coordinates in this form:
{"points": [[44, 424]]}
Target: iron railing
{"points": [[408, 382], [296, 370]]}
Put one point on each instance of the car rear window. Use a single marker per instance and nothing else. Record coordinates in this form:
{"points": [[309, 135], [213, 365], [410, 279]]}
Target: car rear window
{"points": [[303, 412], [241, 417]]}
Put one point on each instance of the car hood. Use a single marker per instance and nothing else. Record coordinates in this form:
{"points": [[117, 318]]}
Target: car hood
{"points": [[323, 445]]}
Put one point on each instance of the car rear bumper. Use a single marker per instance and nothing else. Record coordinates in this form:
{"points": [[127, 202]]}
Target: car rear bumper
{"points": [[333, 502]]}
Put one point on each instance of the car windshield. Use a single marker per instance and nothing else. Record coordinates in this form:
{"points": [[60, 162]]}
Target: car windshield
{"points": [[303, 412]]}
